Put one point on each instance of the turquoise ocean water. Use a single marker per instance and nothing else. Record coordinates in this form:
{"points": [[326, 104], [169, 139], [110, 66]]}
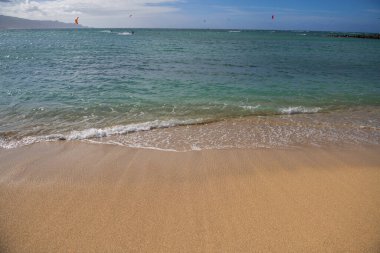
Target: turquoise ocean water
{"points": [[94, 83]]}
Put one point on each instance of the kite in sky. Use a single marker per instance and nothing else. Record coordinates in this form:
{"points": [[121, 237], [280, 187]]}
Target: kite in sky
{"points": [[272, 17], [76, 21]]}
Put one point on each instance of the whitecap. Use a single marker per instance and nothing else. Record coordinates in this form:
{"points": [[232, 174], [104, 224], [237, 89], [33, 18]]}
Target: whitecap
{"points": [[124, 33]]}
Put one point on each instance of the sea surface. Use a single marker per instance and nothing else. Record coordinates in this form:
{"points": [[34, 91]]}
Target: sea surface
{"points": [[188, 89]]}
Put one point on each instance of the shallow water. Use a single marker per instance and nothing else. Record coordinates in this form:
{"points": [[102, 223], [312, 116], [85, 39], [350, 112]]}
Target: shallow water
{"points": [[93, 83]]}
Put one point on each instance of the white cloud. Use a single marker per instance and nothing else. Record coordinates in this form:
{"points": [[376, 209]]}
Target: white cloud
{"points": [[92, 12]]}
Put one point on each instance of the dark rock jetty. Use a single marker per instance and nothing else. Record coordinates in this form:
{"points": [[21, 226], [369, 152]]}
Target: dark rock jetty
{"points": [[359, 36]]}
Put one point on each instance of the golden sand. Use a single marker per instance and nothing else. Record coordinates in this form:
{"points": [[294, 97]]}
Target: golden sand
{"points": [[76, 197]]}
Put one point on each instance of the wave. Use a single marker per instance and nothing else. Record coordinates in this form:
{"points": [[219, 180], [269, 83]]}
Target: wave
{"points": [[124, 33], [281, 110], [124, 129], [233, 31], [250, 107], [8, 142], [93, 133], [105, 31], [299, 109]]}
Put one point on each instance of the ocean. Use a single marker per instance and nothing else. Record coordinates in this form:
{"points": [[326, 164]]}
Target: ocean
{"points": [[188, 89]]}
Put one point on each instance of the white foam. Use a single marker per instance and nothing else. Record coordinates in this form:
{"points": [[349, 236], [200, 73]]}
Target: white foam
{"points": [[154, 148], [124, 33], [195, 147], [93, 133], [106, 31], [299, 109], [130, 146], [233, 31], [250, 107], [9, 144], [124, 129]]}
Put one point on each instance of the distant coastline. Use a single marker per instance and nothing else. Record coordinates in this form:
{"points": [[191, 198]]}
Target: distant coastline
{"points": [[7, 22]]}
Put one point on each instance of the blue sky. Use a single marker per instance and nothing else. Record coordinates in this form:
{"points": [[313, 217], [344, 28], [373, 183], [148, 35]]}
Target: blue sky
{"points": [[333, 15]]}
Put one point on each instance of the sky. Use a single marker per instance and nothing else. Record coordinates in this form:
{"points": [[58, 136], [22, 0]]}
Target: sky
{"points": [[321, 15]]}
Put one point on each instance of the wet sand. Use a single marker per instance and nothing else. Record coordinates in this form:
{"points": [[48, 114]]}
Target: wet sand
{"points": [[77, 197]]}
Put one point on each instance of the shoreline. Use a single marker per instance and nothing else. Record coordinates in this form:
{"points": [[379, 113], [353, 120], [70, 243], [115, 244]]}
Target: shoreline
{"points": [[59, 197], [342, 127]]}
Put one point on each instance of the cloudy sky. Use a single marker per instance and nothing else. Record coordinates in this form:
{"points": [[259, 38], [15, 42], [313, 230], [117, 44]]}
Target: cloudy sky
{"points": [[333, 15]]}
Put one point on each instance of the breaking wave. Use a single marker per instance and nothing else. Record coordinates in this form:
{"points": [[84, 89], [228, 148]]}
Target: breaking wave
{"points": [[93, 133], [299, 109], [124, 129], [124, 33]]}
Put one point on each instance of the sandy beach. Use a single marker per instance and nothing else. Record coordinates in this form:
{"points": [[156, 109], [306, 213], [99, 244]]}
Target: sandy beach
{"points": [[189, 126], [78, 197]]}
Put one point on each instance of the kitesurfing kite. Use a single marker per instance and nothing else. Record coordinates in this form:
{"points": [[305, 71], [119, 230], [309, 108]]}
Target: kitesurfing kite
{"points": [[272, 17], [76, 21]]}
